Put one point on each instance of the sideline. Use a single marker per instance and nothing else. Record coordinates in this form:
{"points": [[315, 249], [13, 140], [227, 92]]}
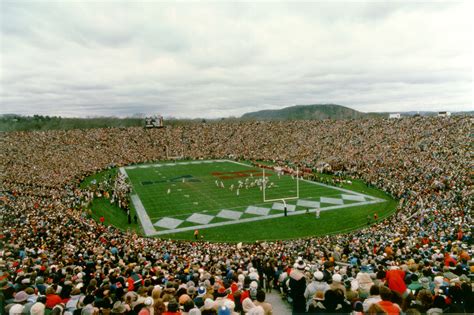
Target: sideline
{"points": [[148, 228]]}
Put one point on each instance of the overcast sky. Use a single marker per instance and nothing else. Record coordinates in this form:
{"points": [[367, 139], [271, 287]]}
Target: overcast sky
{"points": [[90, 58]]}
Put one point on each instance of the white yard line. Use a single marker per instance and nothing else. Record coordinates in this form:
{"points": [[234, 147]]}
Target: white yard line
{"points": [[148, 228], [123, 171], [239, 163]]}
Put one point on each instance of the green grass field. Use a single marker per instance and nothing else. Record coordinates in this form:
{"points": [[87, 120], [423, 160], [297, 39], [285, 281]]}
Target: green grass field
{"points": [[193, 189], [181, 197]]}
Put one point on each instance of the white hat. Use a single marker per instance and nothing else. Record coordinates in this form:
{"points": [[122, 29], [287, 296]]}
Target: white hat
{"points": [[438, 280], [208, 304], [300, 265], [16, 309], [26, 281], [318, 275], [354, 285], [37, 309], [336, 277], [148, 301], [194, 311]]}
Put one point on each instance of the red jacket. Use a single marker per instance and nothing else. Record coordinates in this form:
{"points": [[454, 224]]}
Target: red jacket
{"points": [[448, 259], [52, 300], [389, 307], [396, 280], [135, 281]]}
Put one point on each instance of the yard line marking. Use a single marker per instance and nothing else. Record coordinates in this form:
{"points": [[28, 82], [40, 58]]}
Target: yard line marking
{"points": [[257, 210], [200, 218], [280, 206], [308, 203], [336, 201], [353, 197], [168, 223], [229, 214]]}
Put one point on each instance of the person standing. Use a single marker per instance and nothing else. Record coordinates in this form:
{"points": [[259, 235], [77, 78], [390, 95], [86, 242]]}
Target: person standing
{"points": [[298, 287], [196, 234]]}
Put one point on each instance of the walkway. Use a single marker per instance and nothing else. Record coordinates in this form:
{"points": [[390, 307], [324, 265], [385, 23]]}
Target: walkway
{"points": [[280, 307]]}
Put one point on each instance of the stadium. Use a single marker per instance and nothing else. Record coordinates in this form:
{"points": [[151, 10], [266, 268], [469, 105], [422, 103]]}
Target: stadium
{"points": [[236, 157], [387, 203]]}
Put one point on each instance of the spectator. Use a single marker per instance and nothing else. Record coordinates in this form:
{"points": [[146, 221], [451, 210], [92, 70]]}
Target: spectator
{"points": [[386, 304]]}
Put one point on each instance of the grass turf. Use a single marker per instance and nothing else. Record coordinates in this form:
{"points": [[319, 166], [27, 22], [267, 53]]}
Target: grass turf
{"points": [[195, 188], [198, 193]]}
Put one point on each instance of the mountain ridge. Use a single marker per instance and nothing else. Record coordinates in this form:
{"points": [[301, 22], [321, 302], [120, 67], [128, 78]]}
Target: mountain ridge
{"points": [[308, 112]]}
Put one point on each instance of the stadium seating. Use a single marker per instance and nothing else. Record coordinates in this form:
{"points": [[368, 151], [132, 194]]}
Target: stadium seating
{"points": [[54, 256]]}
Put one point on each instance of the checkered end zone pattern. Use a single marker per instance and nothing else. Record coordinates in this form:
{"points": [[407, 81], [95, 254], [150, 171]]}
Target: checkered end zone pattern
{"points": [[233, 215]]}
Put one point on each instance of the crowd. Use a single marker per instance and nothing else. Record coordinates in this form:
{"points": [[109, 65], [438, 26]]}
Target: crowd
{"points": [[115, 188], [54, 259]]}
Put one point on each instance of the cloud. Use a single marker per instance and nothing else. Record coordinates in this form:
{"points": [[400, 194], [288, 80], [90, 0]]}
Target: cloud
{"points": [[214, 59]]}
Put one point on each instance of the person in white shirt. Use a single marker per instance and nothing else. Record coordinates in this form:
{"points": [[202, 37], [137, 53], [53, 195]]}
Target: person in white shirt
{"points": [[374, 297]]}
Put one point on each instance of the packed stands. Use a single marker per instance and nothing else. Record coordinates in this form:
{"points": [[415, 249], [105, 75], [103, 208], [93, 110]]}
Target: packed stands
{"points": [[55, 259]]}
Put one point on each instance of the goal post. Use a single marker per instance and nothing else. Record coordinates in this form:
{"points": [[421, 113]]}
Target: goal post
{"points": [[282, 198]]}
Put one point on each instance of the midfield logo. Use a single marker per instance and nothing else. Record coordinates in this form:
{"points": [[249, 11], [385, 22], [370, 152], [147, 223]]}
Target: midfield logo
{"points": [[183, 179]]}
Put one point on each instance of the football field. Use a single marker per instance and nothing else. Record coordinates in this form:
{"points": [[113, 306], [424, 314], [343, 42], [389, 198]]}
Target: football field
{"points": [[172, 199]]}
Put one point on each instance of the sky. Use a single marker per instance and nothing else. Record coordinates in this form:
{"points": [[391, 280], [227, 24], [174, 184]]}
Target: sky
{"points": [[220, 59]]}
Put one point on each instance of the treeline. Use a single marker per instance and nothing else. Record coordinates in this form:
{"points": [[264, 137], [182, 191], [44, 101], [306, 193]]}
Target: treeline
{"points": [[38, 122]]}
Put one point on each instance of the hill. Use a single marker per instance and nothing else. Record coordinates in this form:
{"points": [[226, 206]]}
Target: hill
{"points": [[307, 112]]}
